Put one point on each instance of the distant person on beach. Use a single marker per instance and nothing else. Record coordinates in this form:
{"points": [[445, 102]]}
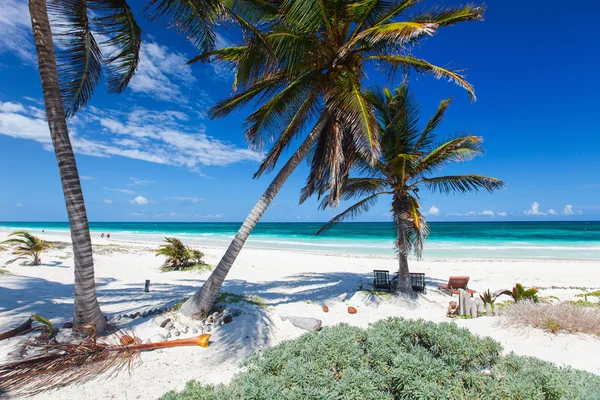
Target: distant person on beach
{"points": [[43, 231], [102, 236], [108, 235]]}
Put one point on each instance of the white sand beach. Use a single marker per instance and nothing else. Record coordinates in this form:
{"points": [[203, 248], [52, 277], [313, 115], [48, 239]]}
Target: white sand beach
{"points": [[291, 283]]}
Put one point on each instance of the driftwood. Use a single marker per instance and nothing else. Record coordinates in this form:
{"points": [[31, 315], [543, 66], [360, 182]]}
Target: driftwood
{"points": [[26, 327]]}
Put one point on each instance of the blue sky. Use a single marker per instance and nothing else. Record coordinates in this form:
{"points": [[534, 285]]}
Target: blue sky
{"points": [[151, 154]]}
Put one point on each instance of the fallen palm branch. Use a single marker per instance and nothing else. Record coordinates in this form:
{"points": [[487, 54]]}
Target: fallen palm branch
{"points": [[66, 363], [25, 327]]}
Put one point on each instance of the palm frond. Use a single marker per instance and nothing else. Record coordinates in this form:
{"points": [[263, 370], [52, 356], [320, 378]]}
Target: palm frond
{"points": [[462, 184], [79, 59], [396, 33], [351, 212], [295, 125], [406, 63], [263, 87], [276, 113], [124, 36], [426, 138], [193, 18], [452, 15], [308, 15], [226, 54], [460, 149], [63, 364]]}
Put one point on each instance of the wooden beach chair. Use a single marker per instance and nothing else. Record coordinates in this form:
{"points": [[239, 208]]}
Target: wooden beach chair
{"points": [[455, 283], [382, 280]]}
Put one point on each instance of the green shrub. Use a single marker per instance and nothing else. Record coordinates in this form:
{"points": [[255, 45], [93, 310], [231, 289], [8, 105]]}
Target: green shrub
{"points": [[180, 257], [395, 359]]}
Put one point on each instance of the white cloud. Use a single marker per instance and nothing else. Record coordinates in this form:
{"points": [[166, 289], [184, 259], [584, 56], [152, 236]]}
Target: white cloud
{"points": [[153, 136], [568, 210], [187, 200], [107, 201], [140, 182], [210, 216], [157, 71], [552, 211], [433, 210], [484, 213], [535, 210], [126, 191], [86, 178], [9, 107], [141, 200], [15, 30], [19, 205]]}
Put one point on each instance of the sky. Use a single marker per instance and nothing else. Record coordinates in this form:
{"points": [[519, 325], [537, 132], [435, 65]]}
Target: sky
{"points": [[152, 154]]}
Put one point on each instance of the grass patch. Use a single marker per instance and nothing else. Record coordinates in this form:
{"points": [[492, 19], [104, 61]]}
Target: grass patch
{"points": [[199, 268], [562, 317], [589, 294], [232, 298], [4, 272], [395, 359]]}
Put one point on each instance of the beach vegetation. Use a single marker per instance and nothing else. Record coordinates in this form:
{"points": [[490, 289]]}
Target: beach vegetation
{"points": [[589, 294], [233, 298], [180, 257], [306, 71], [27, 246], [406, 166], [378, 293], [395, 359], [562, 317], [488, 298], [519, 293]]}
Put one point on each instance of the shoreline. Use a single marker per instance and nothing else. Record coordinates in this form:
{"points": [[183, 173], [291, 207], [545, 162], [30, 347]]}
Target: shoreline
{"points": [[143, 239]]}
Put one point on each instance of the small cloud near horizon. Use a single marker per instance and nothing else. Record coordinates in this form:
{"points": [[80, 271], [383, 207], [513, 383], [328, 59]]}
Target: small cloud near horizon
{"points": [[141, 200]]}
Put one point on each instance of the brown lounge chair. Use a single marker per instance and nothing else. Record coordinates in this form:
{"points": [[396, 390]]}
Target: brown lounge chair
{"points": [[455, 283]]}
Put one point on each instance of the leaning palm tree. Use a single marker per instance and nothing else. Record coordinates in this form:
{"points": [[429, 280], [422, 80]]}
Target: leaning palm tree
{"points": [[410, 156], [308, 67], [70, 83], [27, 246]]}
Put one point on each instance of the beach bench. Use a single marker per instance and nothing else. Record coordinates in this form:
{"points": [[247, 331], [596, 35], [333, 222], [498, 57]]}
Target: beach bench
{"points": [[382, 280], [455, 283]]}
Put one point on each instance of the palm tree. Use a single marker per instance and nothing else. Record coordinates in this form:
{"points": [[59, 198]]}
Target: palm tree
{"points": [[179, 256], [307, 66], [409, 157], [27, 246]]}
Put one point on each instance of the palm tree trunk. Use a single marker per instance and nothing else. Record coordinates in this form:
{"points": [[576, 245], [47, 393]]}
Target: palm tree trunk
{"points": [[398, 209], [403, 271], [86, 307], [204, 299]]}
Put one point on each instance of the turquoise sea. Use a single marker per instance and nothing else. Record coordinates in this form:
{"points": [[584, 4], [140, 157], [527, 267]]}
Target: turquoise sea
{"points": [[465, 240]]}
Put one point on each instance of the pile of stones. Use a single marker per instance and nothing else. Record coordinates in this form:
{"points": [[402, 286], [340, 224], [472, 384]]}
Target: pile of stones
{"points": [[177, 325]]}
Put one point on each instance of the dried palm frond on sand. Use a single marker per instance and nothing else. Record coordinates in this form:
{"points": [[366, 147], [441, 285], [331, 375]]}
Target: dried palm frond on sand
{"points": [[66, 363]]}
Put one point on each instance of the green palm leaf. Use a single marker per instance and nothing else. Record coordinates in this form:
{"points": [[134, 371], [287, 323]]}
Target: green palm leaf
{"points": [[79, 59], [462, 184], [125, 36], [194, 18]]}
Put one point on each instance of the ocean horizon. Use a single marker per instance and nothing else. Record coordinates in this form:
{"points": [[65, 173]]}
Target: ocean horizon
{"points": [[539, 240]]}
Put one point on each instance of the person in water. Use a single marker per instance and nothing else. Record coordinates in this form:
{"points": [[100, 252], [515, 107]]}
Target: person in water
{"points": [[102, 236], [108, 235]]}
